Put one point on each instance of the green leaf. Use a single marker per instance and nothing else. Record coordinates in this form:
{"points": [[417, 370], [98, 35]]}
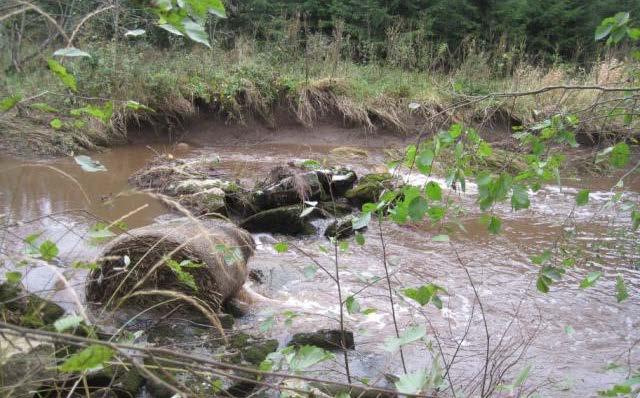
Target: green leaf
{"points": [[602, 31], [520, 197], [417, 207], [9, 102], [56, 124], [433, 191], [196, 32], [495, 225], [412, 383], [619, 156], [171, 29], [359, 238], [410, 155], [343, 245], [541, 258], [353, 307], [361, 221], [424, 160], [635, 220], [423, 294], [590, 279], [410, 335], [71, 52], [522, 376], [88, 164], [91, 358], [621, 289], [308, 356], [64, 76], [583, 197], [281, 247], [67, 322], [183, 276], [48, 250], [542, 284], [13, 277], [569, 330]]}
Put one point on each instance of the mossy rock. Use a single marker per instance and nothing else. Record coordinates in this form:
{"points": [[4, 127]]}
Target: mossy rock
{"points": [[123, 382], [339, 208], [251, 349], [284, 220], [369, 188], [329, 339], [336, 181], [283, 187], [27, 309], [340, 228]]}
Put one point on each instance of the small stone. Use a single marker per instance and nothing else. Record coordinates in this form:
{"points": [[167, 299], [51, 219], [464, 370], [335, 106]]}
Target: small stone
{"points": [[24, 364], [340, 228], [328, 339]]}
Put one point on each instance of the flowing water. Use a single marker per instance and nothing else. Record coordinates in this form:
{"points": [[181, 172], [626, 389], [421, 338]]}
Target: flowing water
{"points": [[568, 337]]}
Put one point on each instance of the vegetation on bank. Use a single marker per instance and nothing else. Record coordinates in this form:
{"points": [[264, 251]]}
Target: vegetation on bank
{"points": [[144, 76]]}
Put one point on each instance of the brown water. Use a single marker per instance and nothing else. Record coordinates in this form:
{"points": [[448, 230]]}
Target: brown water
{"points": [[523, 323]]}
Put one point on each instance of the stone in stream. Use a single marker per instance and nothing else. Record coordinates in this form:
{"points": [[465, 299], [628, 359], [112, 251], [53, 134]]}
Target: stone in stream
{"points": [[284, 220], [25, 364], [243, 349], [369, 188], [336, 181], [285, 187], [340, 228], [339, 208], [26, 309], [329, 339], [118, 380]]}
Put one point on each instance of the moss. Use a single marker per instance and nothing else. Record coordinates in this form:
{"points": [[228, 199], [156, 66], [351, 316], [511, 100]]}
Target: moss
{"points": [[253, 350], [369, 188], [27, 309]]}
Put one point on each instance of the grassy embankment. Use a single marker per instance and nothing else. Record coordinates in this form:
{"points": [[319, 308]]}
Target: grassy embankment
{"points": [[244, 84]]}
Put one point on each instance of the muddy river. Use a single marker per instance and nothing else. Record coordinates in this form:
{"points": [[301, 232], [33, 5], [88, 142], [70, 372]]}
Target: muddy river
{"points": [[569, 338]]}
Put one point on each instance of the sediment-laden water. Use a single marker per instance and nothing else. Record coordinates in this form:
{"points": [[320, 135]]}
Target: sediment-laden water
{"points": [[568, 337]]}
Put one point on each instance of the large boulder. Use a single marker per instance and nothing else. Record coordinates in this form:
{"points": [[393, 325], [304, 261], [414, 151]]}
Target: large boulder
{"points": [[286, 186], [284, 220], [329, 339], [206, 259], [336, 181]]}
